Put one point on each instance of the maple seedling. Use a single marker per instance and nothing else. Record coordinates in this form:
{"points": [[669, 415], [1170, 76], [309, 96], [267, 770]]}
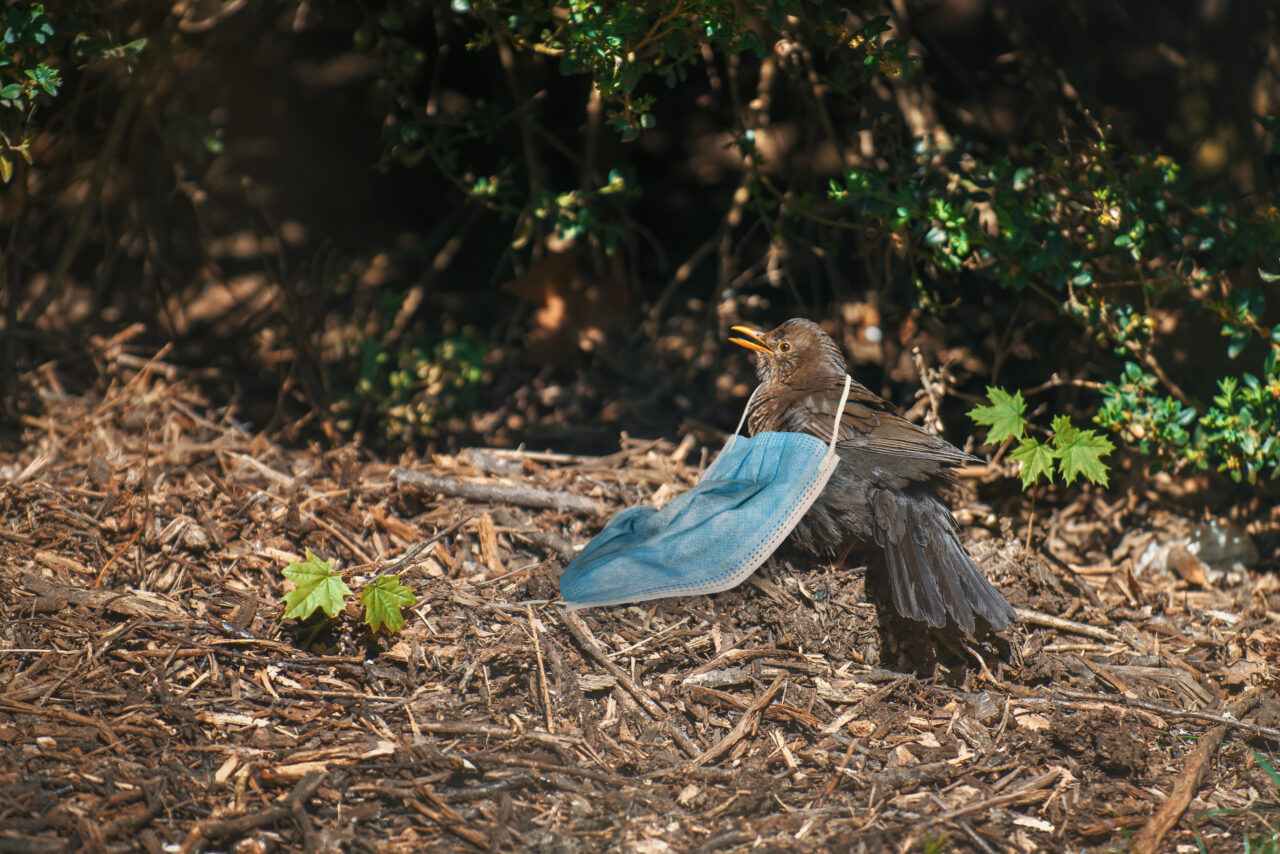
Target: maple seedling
{"points": [[1069, 451], [320, 587]]}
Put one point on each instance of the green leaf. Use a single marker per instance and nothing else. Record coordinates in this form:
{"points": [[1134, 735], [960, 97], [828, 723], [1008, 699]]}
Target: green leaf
{"points": [[11, 91], [1268, 277], [1003, 417], [1036, 459], [383, 600], [1080, 452], [6, 169], [318, 587], [1240, 337]]}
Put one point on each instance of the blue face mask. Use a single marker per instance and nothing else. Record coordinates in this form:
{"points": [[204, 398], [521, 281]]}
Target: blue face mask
{"points": [[714, 536]]}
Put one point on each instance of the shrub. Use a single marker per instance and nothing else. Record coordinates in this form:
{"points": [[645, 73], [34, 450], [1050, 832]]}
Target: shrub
{"points": [[1125, 244]]}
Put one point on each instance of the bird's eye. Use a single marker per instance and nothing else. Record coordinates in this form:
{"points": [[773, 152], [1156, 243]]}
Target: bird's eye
{"points": [[784, 347]]}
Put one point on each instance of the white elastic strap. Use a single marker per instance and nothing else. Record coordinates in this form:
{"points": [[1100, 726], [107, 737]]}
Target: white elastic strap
{"points": [[835, 428], [743, 420]]}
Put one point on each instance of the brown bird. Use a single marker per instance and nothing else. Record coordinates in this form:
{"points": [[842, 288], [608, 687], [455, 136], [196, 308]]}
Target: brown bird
{"points": [[885, 489]]}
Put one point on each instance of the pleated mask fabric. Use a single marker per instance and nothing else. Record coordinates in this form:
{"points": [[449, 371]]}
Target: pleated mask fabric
{"points": [[712, 537]]}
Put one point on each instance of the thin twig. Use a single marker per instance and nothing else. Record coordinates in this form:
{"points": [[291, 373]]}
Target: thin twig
{"points": [[448, 818], [415, 550], [1184, 789], [1031, 515], [494, 731], [1028, 792], [1188, 782], [534, 629], [589, 644], [1055, 381], [562, 548], [1024, 697], [97, 582], [539, 765], [650, 706], [746, 724], [525, 496], [1036, 618], [220, 828]]}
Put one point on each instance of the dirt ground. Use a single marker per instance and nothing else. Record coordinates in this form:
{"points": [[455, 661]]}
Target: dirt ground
{"points": [[153, 698]]}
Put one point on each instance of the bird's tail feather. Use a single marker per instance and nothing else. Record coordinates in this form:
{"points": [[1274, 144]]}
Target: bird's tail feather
{"points": [[930, 573]]}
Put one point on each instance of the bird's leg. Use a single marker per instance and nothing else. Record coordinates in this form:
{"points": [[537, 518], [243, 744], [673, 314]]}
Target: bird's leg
{"points": [[839, 564]]}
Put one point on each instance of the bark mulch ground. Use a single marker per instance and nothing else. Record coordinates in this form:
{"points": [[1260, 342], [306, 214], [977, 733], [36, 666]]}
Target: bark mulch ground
{"points": [[153, 698]]}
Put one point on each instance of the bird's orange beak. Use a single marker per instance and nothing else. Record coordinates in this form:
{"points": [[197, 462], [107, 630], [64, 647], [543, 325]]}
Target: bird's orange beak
{"points": [[754, 339]]}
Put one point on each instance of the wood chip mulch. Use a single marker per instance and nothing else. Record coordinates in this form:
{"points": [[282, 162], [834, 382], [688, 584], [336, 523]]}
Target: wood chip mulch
{"points": [[152, 697]]}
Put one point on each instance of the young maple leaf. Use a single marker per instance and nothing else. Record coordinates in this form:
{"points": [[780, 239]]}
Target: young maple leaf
{"points": [[1036, 459], [1080, 452], [318, 587], [1003, 417], [382, 602]]}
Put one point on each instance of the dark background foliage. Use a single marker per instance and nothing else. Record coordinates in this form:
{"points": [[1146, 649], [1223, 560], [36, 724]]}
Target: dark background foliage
{"points": [[434, 224]]}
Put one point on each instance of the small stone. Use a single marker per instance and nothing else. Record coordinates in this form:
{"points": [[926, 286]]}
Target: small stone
{"points": [[985, 708], [99, 472]]}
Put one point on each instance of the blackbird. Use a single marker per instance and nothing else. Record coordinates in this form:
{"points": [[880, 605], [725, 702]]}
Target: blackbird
{"points": [[885, 489]]}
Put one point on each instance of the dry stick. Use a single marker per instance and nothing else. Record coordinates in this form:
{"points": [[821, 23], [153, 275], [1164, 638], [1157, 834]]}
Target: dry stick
{"points": [[856, 709], [1055, 380], [495, 731], [750, 718], [590, 645], [1025, 697], [448, 818], [417, 549], [933, 389], [134, 821], [1184, 789], [219, 828], [1188, 782], [547, 540], [542, 670], [835, 778], [915, 776], [1026, 793], [533, 456], [561, 547], [97, 582], [977, 840], [522, 762], [525, 496], [1038, 619], [341, 537], [108, 735]]}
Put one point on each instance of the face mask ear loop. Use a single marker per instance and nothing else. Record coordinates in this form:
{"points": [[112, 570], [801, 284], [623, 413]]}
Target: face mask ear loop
{"points": [[835, 427], [743, 420]]}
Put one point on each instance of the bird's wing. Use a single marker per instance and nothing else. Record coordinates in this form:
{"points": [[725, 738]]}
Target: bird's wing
{"points": [[932, 575], [872, 425]]}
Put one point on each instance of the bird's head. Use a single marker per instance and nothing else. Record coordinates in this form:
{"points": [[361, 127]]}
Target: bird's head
{"points": [[794, 353]]}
